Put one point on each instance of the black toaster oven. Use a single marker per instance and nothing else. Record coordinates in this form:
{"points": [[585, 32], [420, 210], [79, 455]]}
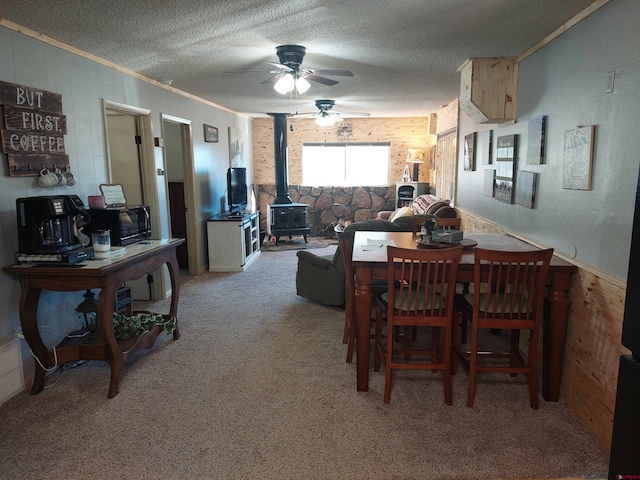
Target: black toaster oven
{"points": [[126, 225]]}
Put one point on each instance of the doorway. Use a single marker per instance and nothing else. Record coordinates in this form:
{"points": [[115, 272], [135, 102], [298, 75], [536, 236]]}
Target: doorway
{"points": [[131, 163], [180, 176]]}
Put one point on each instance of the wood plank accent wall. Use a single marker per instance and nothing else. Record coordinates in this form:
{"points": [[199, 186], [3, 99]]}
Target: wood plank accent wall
{"points": [[593, 346], [401, 133]]}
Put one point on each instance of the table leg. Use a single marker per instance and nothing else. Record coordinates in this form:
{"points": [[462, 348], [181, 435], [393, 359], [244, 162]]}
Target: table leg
{"points": [[363, 327], [554, 336], [29, 298], [113, 354], [174, 269]]}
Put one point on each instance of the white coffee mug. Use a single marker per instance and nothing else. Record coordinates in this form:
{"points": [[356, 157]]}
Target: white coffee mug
{"points": [[47, 179]]}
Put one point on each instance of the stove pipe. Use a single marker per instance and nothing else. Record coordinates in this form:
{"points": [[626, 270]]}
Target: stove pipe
{"points": [[280, 151]]}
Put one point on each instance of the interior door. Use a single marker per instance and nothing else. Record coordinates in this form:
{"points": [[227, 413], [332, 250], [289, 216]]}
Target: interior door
{"points": [[124, 141]]}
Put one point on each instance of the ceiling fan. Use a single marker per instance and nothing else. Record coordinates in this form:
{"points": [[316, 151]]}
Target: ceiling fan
{"points": [[289, 74], [326, 115]]}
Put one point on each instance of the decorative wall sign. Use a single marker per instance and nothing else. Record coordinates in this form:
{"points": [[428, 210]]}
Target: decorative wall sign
{"points": [[489, 185], [535, 140], [526, 186], [210, 134], [484, 147], [33, 137], [506, 155], [236, 147], [345, 131], [470, 152], [578, 158]]}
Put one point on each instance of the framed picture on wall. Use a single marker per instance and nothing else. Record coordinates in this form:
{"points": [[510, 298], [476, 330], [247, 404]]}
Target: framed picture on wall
{"points": [[210, 134], [489, 184], [526, 185], [535, 140], [506, 155], [470, 152], [578, 158], [236, 147], [484, 147]]}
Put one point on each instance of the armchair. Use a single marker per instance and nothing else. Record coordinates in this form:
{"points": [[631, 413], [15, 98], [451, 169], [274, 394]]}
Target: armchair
{"points": [[321, 278]]}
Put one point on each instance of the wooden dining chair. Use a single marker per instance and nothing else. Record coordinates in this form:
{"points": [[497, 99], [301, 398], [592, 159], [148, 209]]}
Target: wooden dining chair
{"points": [[349, 335], [508, 295], [421, 288], [448, 223]]}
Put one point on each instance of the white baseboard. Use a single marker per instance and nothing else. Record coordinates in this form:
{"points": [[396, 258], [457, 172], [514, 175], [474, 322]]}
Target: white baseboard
{"points": [[11, 375]]}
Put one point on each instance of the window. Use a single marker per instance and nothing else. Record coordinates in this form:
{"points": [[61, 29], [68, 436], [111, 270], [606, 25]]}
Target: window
{"points": [[345, 164]]}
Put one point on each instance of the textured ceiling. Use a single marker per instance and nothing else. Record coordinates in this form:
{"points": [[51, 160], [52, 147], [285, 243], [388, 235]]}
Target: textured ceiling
{"points": [[404, 53]]}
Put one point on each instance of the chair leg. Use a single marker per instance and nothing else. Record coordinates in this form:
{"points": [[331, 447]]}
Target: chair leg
{"points": [[455, 335], [435, 346], [515, 348], [446, 372], [388, 358], [351, 341], [532, 361], [378, 341], [472, 365], [345, 335]]}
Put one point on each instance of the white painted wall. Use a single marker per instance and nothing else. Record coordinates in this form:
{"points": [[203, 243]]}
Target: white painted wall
{"points": [[83, 85], [567, 81]]}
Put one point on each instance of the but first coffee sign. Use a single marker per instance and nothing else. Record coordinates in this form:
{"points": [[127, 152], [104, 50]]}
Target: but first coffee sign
{"points": [[33, 137]]}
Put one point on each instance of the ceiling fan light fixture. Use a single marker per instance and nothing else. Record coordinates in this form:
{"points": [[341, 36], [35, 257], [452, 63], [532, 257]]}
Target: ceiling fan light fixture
{"points": [[285, 84], [325, 121], [302, 85]]}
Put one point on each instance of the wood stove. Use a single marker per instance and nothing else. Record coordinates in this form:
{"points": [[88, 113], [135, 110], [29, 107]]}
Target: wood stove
{"points": [[283, 216]]}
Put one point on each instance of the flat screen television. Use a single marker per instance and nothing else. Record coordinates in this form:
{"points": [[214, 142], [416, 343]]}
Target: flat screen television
{"points": [[237, 188]]}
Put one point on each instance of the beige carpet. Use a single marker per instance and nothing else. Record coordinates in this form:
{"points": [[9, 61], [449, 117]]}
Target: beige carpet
{"points": [[297, 243], [257, 388]]}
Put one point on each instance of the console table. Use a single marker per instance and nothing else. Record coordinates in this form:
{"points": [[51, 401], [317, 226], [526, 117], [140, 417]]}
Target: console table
{"points": [[107, 275]]}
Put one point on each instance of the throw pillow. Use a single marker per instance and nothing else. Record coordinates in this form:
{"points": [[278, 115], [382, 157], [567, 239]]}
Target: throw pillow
{"points": [[422, 202], [401, 212]]}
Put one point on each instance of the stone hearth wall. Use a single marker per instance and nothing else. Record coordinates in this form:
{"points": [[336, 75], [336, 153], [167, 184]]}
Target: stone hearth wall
{"points": [[353, 204]]}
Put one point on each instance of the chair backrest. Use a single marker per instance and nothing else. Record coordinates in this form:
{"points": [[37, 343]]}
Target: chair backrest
{"points": [[422, 282], [448, 223], [509, 286]]}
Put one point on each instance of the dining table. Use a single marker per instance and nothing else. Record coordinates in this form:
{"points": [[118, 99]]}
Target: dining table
{"points": [[369, 259]]}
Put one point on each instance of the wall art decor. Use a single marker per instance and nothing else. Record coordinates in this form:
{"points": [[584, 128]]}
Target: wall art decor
{"points": [[535, 140], [526, 185], [484, 147], [210, 134], [489, 184], [345, 131], [236, 147], [506, 155], [470, 152], [578, 158], [34, 128]]}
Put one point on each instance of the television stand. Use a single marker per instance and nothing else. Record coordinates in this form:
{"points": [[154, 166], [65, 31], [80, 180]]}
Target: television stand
{"points": [[233, 241]]}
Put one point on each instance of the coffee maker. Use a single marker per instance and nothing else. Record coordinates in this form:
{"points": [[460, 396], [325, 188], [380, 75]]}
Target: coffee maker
{"points": [[48, 229]]}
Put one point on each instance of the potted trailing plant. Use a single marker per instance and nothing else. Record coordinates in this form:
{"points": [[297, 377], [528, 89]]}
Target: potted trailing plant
{"points": [[130, 326]]}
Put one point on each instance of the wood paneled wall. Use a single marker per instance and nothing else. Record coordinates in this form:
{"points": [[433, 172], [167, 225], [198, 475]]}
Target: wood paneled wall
{"points": [[593, 349], [401, 133]]}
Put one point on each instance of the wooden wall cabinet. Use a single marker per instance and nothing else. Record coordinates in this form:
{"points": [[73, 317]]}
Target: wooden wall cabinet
{"points": [[488, 89]]}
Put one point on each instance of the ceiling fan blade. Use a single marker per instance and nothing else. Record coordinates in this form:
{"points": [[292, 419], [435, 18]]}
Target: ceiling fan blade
{"points": [[271, 80], [323, 80], [281, 67], [355, 114], [335, 73]]}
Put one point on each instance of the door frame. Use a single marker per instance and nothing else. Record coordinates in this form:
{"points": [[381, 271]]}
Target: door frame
{"points": [[188, 170], [147, 174]]}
